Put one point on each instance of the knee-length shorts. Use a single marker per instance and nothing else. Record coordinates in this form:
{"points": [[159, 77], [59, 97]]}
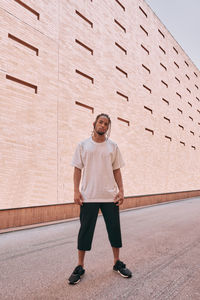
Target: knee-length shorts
{"points": [[88, 218]]}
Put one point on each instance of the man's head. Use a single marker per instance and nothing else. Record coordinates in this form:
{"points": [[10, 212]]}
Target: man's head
{"points": [[102, 124]]}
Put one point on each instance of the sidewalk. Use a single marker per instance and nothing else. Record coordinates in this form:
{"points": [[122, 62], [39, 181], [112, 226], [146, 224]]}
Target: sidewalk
{"points": [[161, 245]]}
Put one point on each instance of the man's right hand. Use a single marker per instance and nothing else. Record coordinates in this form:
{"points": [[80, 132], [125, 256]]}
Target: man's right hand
{"points": [[78, 198]]}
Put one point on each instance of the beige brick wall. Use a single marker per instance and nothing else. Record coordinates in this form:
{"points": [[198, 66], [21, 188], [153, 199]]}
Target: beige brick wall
{"points": [[46, 47]]}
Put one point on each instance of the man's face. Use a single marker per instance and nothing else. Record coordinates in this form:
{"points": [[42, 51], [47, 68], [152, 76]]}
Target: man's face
{"points": [[101, 126]]}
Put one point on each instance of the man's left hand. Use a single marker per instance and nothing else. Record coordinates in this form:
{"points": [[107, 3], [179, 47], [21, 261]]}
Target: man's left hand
{"points": [[119, 198]]}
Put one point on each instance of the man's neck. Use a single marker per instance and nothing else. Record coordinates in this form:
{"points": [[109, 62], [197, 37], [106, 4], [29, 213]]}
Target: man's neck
{"points": [[98, 138]]}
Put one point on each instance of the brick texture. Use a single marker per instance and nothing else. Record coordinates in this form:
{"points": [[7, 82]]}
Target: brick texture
{"points": [[100, 54]]}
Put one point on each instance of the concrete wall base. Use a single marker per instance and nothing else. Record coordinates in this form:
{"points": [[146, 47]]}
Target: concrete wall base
{"points": [[12, 218]]}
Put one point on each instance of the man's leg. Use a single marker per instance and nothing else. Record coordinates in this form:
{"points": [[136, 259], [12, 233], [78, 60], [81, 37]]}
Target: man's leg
{"points": [[111, 216], [81, 256], [88, 218], [115, 254]]}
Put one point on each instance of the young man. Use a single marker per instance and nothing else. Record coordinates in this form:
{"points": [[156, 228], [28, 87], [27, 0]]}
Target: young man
{"points": [[100, 160]]}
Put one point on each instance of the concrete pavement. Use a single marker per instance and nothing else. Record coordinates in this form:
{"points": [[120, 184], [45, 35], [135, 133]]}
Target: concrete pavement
{"points": [[161, 245]]}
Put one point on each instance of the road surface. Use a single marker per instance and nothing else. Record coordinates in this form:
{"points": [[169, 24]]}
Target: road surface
{"points": [[161, 245]]}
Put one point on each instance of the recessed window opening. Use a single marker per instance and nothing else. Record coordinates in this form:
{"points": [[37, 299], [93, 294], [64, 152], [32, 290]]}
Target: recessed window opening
{"points": [[186, 63], [193, 147], [84, 18], [176, 65], [122, 95], [22, 82], [180, 110], [181, 127], [122, 71], [182, 143], [195, 74], [150, 130], [85, 75], [175, 50], [197, 98], [198, 111], [14, 38], [168, 120], [145, 49], [164, 83], [178, 95], [164, 67], [28, 8], [177, 79], [123, 120], [192, 132], [162, 50], [188, 90], [190, 104], [147, 88], [121, 48], [161, 33], [143, 11], [122, 6], [166, 101], [84, 46], [149, 109], [144, 30], [187, 76], [190, 118], [120, 25], [168, 137], [85, 106], [196, 86], [147, 69]]}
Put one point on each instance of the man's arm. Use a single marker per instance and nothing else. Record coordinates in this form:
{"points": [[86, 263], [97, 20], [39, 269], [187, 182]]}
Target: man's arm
{"points": [[119, 198], [78, 199]]}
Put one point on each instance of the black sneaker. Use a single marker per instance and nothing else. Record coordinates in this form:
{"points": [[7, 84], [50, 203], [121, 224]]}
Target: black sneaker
{"points": [[76, 275], [120, 267]]}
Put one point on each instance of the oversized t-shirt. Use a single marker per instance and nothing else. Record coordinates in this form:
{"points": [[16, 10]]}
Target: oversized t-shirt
{"points": [[98, 160]]}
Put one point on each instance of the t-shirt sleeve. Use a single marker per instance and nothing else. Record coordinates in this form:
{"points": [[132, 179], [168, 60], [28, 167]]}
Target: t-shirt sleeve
{"points": [[77, 159], [118, 161]]}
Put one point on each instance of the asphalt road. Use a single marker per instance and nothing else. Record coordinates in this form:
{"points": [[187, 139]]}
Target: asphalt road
{"points": [[161, 245]]}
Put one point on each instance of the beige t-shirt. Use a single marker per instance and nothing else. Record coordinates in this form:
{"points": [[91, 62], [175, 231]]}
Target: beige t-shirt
{"points": [[98, 160]]}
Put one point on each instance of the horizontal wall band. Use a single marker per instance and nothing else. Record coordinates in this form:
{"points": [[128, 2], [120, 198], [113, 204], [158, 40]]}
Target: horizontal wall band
{"points": [[16, 217]]}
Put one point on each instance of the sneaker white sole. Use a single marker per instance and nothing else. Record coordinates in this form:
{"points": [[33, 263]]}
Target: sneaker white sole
{"points": [[125, 276], [72, 283]]}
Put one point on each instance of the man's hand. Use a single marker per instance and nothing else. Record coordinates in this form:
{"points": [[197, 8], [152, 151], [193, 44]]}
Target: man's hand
{"points": [[78, 198], [119, 198]]}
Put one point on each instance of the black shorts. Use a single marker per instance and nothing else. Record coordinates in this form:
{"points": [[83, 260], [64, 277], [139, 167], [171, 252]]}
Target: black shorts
{"points": [[88, 218]]}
